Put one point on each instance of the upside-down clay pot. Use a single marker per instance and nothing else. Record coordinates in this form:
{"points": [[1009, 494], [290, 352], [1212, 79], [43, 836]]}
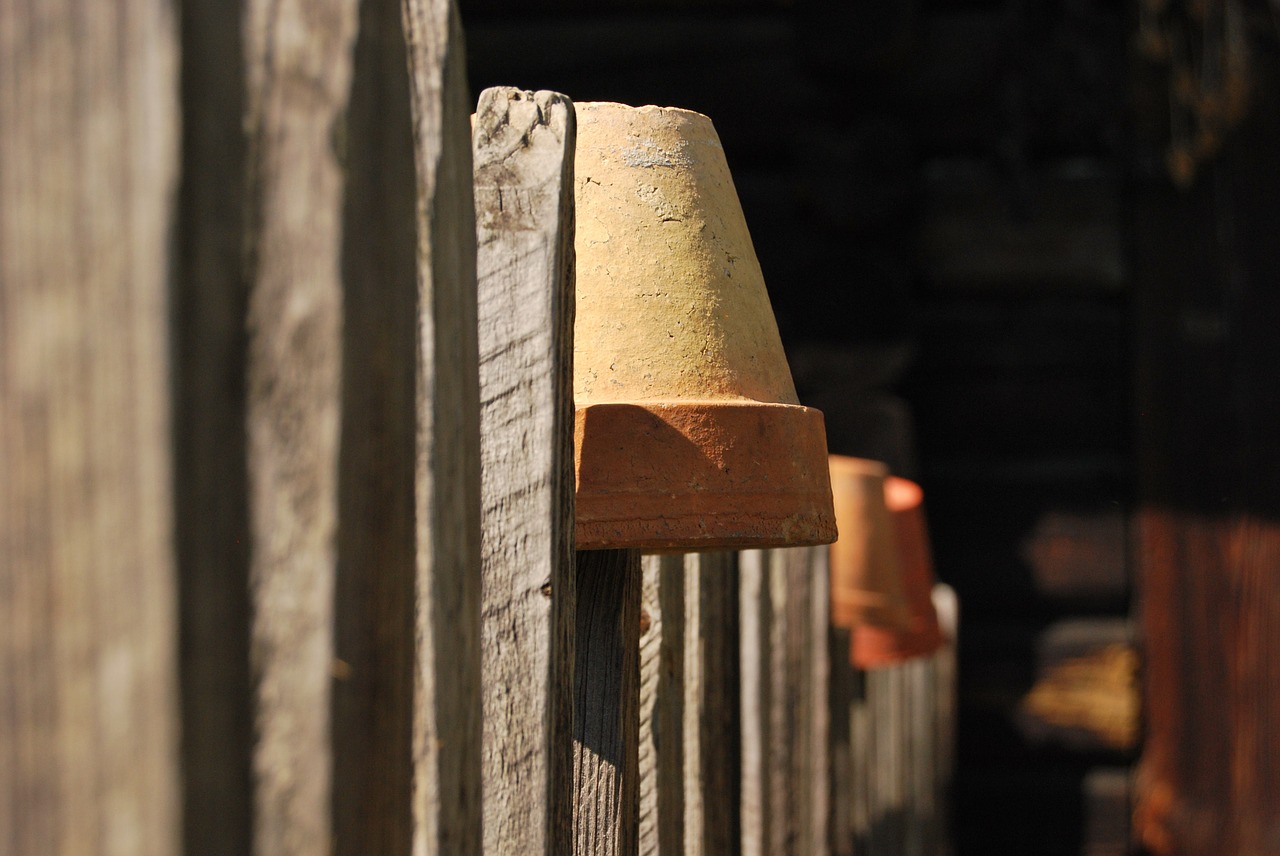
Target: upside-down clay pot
{"points": [[865, 566], [688, 433], [873, 647]]}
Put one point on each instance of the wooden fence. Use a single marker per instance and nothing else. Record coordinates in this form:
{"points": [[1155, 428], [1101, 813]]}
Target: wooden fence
{"points": [[368, 632]]}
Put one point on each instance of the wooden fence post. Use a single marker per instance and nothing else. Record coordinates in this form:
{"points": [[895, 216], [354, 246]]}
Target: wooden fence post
{"points": [[447, 812], [524, 222], [88, 727], [294, 230], [606, 723], [844, 685], [690, 770], [661, 754], [785, 723], [297, 545], [210, 295], [374, 602], [758, 727]]}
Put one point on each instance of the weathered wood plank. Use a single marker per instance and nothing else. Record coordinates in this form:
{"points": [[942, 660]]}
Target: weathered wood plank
{"points": [[88, 727], [819, 620], [843, 683], [374, 630], [210, 304], [294, 235], [523, 147], [712, 768], [756, 615], [606, 703], [784, 702], [447, 725], [662, 678], [689, 706]]}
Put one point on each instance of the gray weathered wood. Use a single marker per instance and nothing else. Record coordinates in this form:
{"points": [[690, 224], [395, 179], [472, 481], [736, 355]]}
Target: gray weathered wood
{"points": [[374, 630], [447, 811], [606, 704], [88, 725], [662, 675], [785, 724], [523, 147], [806, 669], [294, 235], [756, 616], [712, 713], [690, 706]]}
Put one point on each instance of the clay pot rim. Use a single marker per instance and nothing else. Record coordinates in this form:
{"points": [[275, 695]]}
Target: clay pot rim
{"points": [[642, 108], [849, 465], [663, 403]]}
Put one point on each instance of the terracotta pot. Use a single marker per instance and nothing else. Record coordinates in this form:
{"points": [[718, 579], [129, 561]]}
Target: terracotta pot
{"points": [[688, 433], [873, 647], [865, 566]]}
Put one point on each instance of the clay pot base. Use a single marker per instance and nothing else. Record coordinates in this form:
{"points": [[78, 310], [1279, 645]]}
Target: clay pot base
{"points": [[859, 608], [877, 648], [701, 475]]}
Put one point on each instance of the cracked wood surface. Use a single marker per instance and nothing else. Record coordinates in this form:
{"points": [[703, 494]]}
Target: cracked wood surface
{"points": [[523, 148], [689, 705], [785, 718]]}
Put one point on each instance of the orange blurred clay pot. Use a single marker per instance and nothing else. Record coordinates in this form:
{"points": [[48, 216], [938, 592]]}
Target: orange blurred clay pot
{"points": [[876, 647], [865, 572]]}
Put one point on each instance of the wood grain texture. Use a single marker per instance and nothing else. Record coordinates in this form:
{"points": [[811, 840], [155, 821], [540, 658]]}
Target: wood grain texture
{"points": [[298, 72], [523, 149], [374, 629], [606, 704], [88, 146], [712, 712], [755, 652], [662, 676], [690, 764], [447, 811], [785, 723]]}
